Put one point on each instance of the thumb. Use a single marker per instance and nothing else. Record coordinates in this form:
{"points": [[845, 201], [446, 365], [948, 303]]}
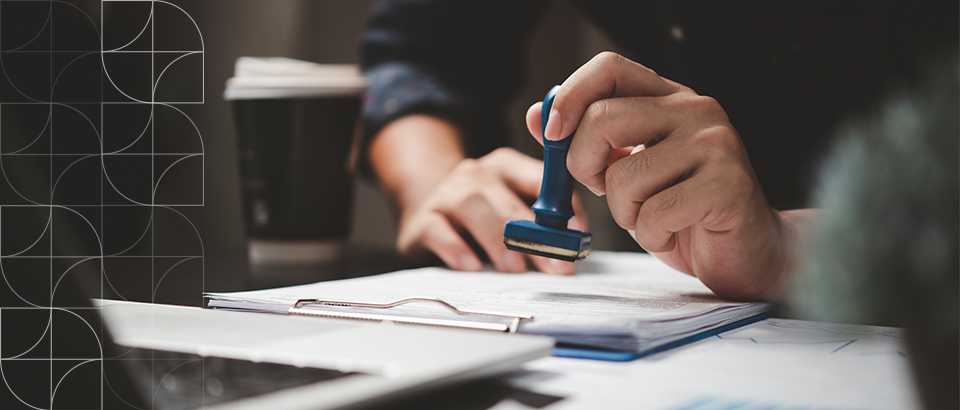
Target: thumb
{"points": [[533, 122]]}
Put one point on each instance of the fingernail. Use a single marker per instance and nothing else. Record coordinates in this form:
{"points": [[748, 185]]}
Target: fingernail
{"points": [[595, 191], [513, 262], [469, 262], [554, 126]]}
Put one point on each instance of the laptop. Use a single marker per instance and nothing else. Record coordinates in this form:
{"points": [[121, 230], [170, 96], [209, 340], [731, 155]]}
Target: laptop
{"points": [[68, 351], [232, 360], [59, 350]]}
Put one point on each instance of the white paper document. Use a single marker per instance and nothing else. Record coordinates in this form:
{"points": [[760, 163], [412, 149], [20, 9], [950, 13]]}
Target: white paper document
{"points": [[771, 364], [618, 301]]}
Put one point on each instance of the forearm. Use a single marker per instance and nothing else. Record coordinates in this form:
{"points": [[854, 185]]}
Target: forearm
{"points": [[411, 155], [441, 58]]}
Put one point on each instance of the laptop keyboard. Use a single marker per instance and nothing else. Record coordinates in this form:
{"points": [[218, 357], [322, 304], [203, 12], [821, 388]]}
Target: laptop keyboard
{"points": [[188, 381]]}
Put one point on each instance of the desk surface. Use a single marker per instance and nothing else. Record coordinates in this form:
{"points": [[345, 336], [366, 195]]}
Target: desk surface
{"points": [[774, 363], [771, 364]]}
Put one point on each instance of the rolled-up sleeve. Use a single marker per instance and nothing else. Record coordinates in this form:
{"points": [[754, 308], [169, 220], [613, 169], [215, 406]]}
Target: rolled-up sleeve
{"points": [[459, 60]]}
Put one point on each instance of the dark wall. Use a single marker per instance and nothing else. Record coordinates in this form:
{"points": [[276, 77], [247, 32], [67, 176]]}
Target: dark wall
{"points": [[328, 32]]}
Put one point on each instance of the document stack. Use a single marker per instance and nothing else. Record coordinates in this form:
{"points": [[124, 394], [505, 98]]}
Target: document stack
{"points": [[616, 302]]}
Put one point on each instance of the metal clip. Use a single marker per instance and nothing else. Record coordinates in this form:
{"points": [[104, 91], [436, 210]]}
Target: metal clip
{"points": [[298, 309]]}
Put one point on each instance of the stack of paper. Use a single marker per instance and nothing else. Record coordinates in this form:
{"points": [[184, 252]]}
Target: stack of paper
{"points": [[616, 301]]}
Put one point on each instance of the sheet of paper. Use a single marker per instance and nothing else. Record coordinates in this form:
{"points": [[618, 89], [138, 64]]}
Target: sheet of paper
{"points": [[611, 298], [771, 364], [608, 288]]}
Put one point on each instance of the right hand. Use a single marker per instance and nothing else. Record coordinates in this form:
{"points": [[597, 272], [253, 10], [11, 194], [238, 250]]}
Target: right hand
{"points": [[676, 175], [477, 198]]}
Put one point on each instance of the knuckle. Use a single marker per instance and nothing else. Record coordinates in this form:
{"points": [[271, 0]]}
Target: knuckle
{"points": [[499, 155], [621, 200], [622, 214], [468, 166], [575, 164], [466, 199], [596, 112], [579, 167], [720, 140], [623, 175], [618, 177], [738, 182], [608, 58], [514, 212], [613, 62], [641, 164], [708, 108], [647, 218], [657, 209], [625, 218], [706, 103]]}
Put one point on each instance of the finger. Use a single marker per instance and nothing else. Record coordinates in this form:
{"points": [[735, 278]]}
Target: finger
{"points": [[510, 208], [479, 215], [677, 208], [634, 179], [533, 122], [521, 173], [547, 265], [551, 266], [579, 220], [533, 125], [617, 153], [441, 238], [608, 75], [612, 128], [556, 266]]}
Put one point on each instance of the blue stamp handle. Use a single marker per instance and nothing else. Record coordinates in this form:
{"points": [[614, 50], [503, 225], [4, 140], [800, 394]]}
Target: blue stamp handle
{"points": [[554, 207]]}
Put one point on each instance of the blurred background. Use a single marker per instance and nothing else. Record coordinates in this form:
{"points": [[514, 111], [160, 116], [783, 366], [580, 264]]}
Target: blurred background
{"points": [[328, 31]]}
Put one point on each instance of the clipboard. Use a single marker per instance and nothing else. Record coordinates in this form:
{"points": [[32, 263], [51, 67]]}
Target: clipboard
{"points": [[315, 308], [506, 323]]}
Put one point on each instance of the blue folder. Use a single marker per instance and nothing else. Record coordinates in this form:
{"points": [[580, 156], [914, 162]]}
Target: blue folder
{"points": [[615, 356]]}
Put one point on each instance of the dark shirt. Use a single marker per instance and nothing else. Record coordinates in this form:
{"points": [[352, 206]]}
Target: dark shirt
{"points": [[787, 73]]}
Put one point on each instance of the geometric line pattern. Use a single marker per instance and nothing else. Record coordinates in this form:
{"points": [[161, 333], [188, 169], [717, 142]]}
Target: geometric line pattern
{"points": [[833, 333], [843, 343], [97, 161]]}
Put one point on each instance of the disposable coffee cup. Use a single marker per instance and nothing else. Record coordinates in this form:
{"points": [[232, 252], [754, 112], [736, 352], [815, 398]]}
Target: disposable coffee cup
{"points": [[295, 123]]}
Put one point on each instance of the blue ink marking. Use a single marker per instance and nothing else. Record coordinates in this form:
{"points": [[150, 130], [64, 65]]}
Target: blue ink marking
{"points": [[901, 354], [755, 341], [845, 345], [834, 331]]}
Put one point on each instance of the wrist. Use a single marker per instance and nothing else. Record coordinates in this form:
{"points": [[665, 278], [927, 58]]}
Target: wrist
{"points": [[411, 155], [796, 231]]}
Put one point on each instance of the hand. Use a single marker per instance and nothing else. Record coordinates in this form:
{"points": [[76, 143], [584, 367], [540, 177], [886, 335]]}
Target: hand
{"points": [[444, 198], [478, 198], [675, 173]]}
